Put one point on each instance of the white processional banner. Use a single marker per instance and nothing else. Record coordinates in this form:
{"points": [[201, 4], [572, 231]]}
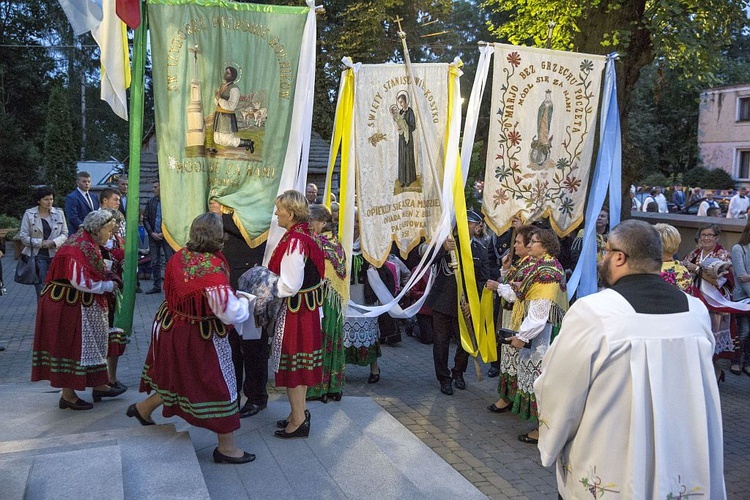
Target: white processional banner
{"points": [[541, 137], [400, 129]]}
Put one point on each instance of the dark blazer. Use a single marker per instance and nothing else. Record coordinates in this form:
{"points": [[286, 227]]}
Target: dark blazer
{"points": [[76, 209], [121, 207], [443, 297], [149, 216]]}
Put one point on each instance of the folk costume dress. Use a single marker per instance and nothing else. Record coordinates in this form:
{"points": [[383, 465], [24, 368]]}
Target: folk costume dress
{"points": [[70, 340], [335, 297], [189, 361], [537, 314], [114, 251], [297, 353], [675, 273], [361, 334], [717, 299]]}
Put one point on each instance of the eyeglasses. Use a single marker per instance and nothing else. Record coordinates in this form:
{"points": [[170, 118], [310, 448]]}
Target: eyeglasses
{"points": [[532, 241], [610, 249], [708, 236]]}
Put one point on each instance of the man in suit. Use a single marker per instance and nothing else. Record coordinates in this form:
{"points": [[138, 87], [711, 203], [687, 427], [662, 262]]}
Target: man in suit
{"points": [[79, 203], [122, 187], [156, 242], [444, 301]]}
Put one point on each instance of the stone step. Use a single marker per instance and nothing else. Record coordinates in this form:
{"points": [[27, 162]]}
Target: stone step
{"points": [[93, 473], [355, 450]]}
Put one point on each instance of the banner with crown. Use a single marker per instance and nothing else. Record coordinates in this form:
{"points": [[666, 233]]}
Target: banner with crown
{"points": [[224, 78], [541, 137]]}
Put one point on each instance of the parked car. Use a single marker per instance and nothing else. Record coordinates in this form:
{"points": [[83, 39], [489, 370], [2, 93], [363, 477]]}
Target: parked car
{"points": [[692, 208]]}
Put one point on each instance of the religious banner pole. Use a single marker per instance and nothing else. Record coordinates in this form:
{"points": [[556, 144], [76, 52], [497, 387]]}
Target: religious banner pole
{"points": [[124, 313], [454, 263]]}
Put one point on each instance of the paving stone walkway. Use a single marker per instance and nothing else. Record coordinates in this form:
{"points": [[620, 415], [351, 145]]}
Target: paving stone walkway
{"points": [[480, 445]]}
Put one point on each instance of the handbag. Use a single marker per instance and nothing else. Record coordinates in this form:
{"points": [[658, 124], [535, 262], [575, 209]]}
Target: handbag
{"points": [[27, 270]]}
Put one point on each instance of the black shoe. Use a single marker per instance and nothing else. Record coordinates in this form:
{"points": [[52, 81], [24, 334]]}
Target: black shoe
{"points": [[80, 404], [113, 392], [459, 382], [524, 438], [138, 290], [281, 424], [446, 388], [118, 385], [374, 378], [495, 409], [336, 396], [156, 289], [323, 399], [220, 458], [493, 372], [301, 432], [251, 409], [248, 144], [133, 412]]}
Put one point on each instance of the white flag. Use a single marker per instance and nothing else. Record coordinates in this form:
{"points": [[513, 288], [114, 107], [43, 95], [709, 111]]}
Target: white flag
{"points": [[111, 35], [83, 15]]}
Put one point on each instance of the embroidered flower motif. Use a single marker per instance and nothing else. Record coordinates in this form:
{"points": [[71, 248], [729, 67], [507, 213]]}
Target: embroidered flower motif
{"points": [[587, 66], [500, 196], [562, 164], [566, 206], [514, 137], [572, 184], [503, 171], [514, 59]]}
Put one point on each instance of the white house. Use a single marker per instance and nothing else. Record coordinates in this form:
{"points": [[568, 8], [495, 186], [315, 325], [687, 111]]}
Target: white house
{"points": [[724, 130]]}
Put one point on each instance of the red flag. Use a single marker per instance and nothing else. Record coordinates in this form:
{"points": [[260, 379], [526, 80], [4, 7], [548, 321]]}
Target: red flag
{"points": [[130, 12]]}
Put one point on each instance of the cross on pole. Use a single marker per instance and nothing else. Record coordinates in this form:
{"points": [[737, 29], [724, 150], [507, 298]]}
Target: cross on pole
{"points": [[195, 51]]}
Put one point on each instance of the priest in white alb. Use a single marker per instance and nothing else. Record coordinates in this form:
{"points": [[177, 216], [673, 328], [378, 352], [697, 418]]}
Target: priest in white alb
{"points": [[628, 401]]}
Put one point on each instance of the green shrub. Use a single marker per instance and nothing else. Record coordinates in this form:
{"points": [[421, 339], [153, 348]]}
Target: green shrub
{"points": [[6, 221], [656, 179]]}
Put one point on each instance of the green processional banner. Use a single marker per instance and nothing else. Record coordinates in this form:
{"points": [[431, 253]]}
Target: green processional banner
{"points": [[224, 76]]}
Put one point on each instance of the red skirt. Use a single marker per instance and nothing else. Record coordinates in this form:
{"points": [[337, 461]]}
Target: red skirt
{"points": [[194, 375], [301, 349], [58, 343]]}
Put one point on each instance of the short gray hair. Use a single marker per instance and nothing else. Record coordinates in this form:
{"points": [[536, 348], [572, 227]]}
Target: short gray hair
{"points": [[96, 220], [640, 242]]}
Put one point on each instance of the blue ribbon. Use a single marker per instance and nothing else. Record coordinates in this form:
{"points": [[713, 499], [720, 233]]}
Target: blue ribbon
{"points": [[607, 178]]}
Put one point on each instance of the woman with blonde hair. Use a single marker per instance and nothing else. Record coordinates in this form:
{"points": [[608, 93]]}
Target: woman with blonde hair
{"points": [[297, 355], [672, 270]]}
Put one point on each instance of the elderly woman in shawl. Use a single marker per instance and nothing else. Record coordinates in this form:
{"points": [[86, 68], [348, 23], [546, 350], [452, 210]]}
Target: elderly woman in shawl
{"points": [[335, 297], [189, 362], [539, 304], [71, 336]]}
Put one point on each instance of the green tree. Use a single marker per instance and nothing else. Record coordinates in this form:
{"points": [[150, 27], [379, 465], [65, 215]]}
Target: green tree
{"points": [[685, 36], [59, 150], [19, 158]]}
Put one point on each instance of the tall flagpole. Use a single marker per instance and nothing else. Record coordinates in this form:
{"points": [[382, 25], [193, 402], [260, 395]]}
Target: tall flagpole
{"points": [[124, 315]]}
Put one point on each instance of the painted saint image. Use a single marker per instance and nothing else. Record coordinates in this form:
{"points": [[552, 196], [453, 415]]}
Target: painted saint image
{"points": [[406, 123], [227, 98], [541, 145]]}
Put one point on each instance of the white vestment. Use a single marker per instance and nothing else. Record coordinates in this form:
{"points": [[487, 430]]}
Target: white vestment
{"points": [[628, 403]]}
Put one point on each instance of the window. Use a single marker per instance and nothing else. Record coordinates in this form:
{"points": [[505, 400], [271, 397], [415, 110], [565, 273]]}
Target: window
{"points": [[743, 109], [743, 164]]}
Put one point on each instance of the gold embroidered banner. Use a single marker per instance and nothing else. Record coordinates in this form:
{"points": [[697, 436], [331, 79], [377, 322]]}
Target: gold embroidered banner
{"points": [[400, 130], [541, 137]]}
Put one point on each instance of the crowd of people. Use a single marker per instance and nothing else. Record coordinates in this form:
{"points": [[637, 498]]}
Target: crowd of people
{"points": [[231, 318], [653, 199]]}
